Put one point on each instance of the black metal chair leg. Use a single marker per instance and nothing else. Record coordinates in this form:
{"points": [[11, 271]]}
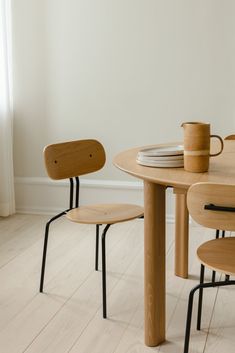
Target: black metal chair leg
{"points": [[45, 248], [44, 256], [213, 276], [213, 272], [104, 271], [199, 313], [189, 319], [97, 248]]}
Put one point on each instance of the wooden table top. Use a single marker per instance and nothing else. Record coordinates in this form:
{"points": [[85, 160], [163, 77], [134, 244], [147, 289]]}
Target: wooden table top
{"points": [[221, 169]]}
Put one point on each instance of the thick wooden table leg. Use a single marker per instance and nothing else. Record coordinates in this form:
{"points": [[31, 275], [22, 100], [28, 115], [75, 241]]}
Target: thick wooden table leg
{"points": [[154, 263], [181, 233]]}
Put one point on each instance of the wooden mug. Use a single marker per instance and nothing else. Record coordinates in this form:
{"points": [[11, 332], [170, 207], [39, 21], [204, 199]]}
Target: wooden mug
{"points": [[197, 146]]}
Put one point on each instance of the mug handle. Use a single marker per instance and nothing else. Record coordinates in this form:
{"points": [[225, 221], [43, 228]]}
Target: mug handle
{"points": [[222, 145]]}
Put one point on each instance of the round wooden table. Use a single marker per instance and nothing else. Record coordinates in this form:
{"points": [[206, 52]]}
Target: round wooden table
{"points": [[156, 180]]}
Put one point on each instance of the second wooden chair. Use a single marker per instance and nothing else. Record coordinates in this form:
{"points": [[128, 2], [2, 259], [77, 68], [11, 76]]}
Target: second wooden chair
{"points": [[217, 233], [212, 206]]}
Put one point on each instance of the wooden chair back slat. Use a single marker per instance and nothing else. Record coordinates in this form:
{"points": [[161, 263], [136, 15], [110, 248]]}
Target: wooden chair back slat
{"points": [[202, 194], [73, 158]]}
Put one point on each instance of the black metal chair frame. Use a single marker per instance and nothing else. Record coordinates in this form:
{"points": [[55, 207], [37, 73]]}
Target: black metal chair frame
{"points": [[200, 286], [217, 234], [74, 204]]}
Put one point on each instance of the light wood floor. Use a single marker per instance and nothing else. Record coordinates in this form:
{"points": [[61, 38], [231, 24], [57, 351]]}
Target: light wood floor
{"points": [[68, 317]]}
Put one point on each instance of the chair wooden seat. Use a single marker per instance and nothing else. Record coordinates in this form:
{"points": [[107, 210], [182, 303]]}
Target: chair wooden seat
{"points": [[105, 213], [219, 255]]}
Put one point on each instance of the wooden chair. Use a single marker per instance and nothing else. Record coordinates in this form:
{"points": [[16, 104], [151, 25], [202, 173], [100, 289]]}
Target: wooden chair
{"points": [[217, 234], [70, 160], [213, 206]]}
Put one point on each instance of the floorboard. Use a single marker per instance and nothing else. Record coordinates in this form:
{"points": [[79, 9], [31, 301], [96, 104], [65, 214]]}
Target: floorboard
{"points": [[67, 317]]}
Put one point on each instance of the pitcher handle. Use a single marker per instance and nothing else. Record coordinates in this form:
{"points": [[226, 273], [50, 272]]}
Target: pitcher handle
{"points": [[222, 145]]}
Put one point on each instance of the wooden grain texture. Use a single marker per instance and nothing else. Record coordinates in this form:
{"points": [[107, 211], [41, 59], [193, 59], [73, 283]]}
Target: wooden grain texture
{"points": [[154, 263], [218, 255], [68, 317], [75, 269], [124, 299], [202, 194], [74, 158], [80, 319], [221, 168], [105, 213], [181, 233], [221, 336]]}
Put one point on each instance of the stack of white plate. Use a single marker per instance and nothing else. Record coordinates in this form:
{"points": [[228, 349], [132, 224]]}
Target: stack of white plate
{"points": [[162, 156]]}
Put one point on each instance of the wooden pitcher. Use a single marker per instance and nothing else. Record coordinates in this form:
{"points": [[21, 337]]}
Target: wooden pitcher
{"points": [[197, 146]]}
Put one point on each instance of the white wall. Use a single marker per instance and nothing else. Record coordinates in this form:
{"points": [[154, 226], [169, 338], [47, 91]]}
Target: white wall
{"points": [[126, 72]]}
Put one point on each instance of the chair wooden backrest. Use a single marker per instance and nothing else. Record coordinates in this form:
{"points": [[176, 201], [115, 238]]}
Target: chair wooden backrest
{"points": [[73, 158], [230, 137], [219, 200]]}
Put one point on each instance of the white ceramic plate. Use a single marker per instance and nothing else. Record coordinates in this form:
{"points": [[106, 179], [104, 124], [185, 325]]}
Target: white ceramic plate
{"points": [[163, 151], [159, 158], [162, 164]]}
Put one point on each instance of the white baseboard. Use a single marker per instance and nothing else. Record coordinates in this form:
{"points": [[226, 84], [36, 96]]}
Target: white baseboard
{"points": [[44, 196]]}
